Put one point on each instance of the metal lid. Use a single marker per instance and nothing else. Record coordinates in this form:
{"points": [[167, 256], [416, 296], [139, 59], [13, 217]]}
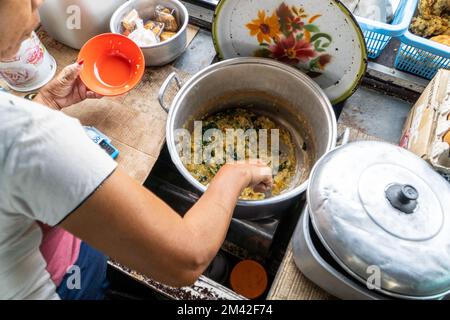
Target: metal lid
{"points": [[383, 214], [334, 54]]}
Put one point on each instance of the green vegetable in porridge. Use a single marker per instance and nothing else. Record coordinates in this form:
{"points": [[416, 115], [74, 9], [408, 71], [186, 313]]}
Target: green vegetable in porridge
{"points": [[243, 119]]}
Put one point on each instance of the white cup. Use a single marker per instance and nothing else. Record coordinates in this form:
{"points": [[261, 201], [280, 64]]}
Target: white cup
{"points": [[31, 68]]}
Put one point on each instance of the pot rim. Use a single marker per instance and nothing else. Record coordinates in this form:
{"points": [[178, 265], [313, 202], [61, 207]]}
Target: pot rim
{"points": [[175, 106], [159, 44], [358, 278]]}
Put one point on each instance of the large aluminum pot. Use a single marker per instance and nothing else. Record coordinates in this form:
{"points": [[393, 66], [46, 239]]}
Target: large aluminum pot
{"points": [[164, 52], [390, 225], [282, 92], [74, 22]]}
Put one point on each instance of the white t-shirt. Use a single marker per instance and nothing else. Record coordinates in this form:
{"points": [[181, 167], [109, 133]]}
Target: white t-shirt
{"points": [[48, 168]]}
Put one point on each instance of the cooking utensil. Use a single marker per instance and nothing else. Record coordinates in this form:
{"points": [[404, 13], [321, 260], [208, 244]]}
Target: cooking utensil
{"points": [[113, 64], [380, 213], [74, 22], [31, 68], [164, 52], [320, 38], [269, 88]]}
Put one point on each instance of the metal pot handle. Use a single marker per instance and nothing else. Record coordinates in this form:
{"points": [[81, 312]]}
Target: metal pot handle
{"points": [[165, 86], [345, 137]]}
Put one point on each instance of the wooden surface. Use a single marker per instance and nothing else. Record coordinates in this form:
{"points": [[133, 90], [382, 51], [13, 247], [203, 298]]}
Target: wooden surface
{"points": [[135, 122], [290, 283]]}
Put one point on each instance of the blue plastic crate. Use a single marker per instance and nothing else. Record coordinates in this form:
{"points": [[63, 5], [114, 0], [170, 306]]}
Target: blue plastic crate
{"points": [[378, 34], [421, 56]]}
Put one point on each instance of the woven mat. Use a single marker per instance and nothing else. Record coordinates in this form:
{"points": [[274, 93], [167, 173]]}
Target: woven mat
{"points": [[135, 121], [290, 283]]}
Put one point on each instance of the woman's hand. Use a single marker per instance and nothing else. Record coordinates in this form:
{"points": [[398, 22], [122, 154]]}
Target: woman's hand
{"points": [[257, 174], [66, 89]]}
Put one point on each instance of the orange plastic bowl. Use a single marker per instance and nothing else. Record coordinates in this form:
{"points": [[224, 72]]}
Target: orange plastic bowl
{"points": [[113, 64]]}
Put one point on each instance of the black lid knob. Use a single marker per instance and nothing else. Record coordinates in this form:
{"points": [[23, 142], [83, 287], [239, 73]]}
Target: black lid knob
{"points": [[409, 193], [403, 197]]}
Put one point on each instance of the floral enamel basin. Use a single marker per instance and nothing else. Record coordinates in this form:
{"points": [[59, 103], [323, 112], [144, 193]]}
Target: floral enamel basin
{"points": [[321, 38]]}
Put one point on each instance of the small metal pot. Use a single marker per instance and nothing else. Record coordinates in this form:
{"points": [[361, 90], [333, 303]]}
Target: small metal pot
{"points": [[272, 88], [164, 52]]}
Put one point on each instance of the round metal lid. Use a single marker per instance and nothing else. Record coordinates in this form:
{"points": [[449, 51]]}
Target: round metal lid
{"points": [[383, 214]]}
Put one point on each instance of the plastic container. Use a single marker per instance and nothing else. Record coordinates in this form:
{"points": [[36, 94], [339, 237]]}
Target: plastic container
{"points": [[421, 56], [113, 64], [378, 34], [31, 68]]}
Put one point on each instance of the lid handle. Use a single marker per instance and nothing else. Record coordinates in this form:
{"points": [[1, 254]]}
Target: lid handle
{"points": [[403, 197]]}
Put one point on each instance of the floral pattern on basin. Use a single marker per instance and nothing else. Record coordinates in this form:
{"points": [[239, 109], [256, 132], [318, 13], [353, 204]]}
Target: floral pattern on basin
{"points": [[289, 35]]}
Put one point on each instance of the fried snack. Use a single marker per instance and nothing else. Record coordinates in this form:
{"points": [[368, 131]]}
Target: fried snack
{"points": [[442, 39], [431, 26], [166, 35], [129, 22], [167, 17], [447, 138], [429, 8], [156, 27], [433, 19]]}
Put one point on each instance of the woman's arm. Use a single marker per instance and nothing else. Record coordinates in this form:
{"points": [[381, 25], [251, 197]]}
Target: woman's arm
{"points": [[134, 227]]}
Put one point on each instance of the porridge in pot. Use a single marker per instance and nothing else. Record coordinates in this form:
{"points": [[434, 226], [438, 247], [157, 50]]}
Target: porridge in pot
{"points": [[241, 131]]}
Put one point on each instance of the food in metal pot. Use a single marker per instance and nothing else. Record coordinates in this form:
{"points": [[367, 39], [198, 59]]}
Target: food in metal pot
{"points": [[143, 37], [243, 119], [155, 26], [167, 17], [163, 26], [129, 22], [167, 35], [447, 137]]}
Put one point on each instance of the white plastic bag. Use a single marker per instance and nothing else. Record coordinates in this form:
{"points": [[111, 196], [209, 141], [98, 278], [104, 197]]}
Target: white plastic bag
{"points": [[378, 10], [143, 37]]}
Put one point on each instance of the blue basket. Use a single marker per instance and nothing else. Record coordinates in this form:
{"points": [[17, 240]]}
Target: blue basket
{"points": [[378, 34], [421, 56]]}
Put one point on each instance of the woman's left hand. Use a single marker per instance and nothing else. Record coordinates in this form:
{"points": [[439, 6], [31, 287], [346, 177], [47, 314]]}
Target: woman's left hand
{"points": [[66, 89]]}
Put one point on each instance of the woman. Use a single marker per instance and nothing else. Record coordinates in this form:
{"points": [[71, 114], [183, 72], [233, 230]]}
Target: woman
{"points": [[55, 183]]}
